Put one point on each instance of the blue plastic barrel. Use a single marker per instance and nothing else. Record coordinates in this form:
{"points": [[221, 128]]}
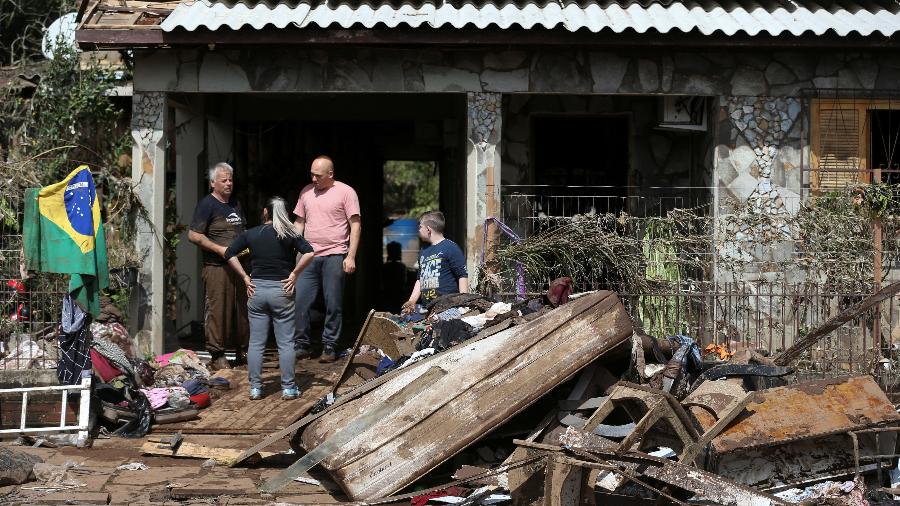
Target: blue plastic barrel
{"points": [[405, 232]]}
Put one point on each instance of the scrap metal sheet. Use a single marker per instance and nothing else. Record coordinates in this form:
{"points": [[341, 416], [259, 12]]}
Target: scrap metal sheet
{"points": [[807, 410]]}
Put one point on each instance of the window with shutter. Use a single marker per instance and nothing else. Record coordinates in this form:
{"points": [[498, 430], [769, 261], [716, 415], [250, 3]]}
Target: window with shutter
{"points": [[840, 141], [838, 147]]}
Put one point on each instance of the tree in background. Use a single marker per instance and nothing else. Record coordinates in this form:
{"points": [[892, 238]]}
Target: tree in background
{"points": [[410, 188], [69, 119], [22, 24]]}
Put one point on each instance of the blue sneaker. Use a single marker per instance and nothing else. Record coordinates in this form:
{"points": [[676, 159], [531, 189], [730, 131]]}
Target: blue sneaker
{"points": [[256, 394], [289, 394]]}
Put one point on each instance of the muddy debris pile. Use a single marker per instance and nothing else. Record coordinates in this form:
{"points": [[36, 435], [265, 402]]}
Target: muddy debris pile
{"points": [[479, 403]]}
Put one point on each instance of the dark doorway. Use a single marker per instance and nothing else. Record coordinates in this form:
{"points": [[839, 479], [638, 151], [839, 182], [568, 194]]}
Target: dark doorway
{"points": [[885, 142], [588, 156], [277, 137], [410, 188], [581, 151]]}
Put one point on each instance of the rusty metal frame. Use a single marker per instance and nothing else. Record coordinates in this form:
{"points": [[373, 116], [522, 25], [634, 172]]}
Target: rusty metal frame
{"points": [[878, 459]]}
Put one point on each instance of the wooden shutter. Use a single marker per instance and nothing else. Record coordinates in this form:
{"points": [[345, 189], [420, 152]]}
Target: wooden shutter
{"points": [[839, 143]]}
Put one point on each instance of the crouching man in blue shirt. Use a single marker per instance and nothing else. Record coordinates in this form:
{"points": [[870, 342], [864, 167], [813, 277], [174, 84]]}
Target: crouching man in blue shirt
{"points": [[442, 266]]}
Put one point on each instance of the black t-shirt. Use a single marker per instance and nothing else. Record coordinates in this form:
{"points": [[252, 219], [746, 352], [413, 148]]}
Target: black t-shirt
{"points": [[270, 257], [440, 267], [220, 222]]}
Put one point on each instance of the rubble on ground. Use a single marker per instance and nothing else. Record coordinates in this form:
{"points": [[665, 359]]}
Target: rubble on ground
{"points": [[130, 390], [16, 467], [556, 400], [623, 418]]}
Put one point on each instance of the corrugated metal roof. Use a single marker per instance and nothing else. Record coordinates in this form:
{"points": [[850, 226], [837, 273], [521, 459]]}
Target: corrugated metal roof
{"points": [[707, 17]]}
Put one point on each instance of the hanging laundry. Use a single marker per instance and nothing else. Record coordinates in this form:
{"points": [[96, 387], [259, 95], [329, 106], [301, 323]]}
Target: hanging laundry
{"points": [[74, 343]]}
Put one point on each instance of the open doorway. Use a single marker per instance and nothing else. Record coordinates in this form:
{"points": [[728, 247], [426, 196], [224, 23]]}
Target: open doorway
{"points": [[275, 138], [410, 189]]}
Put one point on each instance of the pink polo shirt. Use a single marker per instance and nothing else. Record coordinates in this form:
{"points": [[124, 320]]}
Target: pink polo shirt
{"points": [[327, 215]]}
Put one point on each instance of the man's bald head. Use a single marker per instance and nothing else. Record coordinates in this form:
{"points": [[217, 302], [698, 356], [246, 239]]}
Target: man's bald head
{"points": [[322, 172]]}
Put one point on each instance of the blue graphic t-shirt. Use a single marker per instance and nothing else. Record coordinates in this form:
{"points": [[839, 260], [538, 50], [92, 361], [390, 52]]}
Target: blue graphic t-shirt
{"points": [[440, 267]]}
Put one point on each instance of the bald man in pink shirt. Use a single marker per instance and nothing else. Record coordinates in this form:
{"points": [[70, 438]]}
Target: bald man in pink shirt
{"points": [[328, 217]]}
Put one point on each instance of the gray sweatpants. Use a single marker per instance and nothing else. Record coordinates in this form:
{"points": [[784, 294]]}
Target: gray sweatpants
{"points": [[271, 304]]}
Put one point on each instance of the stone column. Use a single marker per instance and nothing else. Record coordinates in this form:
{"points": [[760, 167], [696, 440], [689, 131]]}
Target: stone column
{"points": [[758, 167], [148, 172], [482, 171]]}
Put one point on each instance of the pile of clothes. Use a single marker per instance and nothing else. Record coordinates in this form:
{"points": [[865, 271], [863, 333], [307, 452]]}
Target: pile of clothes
{"points": [[130, 392], [456, 318]]}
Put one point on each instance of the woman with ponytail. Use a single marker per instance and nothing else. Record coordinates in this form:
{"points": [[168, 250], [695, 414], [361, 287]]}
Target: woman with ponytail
{"points": [[274, 266]]}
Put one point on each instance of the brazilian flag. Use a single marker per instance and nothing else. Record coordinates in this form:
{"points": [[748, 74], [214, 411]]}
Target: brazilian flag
{"points": [[63, 234]]}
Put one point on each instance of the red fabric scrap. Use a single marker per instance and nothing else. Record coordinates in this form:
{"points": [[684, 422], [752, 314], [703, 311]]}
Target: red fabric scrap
{"points": [[103, 368], [422, 500], [201, 400], [560, 289]]}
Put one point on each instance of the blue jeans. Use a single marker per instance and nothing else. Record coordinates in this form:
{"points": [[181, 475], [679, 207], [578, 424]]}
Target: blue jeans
{"points": [[270, 303], [325, 273]]}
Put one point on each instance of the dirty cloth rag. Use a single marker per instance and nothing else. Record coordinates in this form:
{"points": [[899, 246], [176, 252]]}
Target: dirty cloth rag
{"points": [[113, 353], [74, 343], [158, 397], [453, 313]]}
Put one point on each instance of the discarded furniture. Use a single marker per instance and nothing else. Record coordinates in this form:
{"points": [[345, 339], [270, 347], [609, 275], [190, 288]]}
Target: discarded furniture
{"points": [[790, 435], [647, 407], [84, 407], [571, 475], [487, 382]]}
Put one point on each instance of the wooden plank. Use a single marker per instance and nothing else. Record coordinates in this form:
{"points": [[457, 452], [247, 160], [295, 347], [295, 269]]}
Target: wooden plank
{"points": [[526, 483], [356, 343], [349, 396], [378, 334], [84, 12], [562, 486], [511, 370], [222, 456], [353, 430]]}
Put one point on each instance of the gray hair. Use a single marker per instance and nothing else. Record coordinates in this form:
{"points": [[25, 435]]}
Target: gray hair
{"points": [[211, 175], [280, 220]]}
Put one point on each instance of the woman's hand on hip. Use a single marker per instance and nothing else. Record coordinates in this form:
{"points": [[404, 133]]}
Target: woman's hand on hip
{"points": [[250, 286], [289, 282]]}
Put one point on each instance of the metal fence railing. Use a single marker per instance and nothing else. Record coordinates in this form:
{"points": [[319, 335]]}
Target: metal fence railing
{"points": [[765, 311], [526, 207], [29, 306]]}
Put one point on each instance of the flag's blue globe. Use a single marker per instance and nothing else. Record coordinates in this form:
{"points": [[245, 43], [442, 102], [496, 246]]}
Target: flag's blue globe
{"points": [[79, 198]]}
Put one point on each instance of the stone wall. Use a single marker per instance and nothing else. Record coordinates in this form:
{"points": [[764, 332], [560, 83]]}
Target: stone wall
{"points": [[737, 72]]}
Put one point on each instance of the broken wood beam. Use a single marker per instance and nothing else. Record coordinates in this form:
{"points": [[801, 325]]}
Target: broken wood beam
{"points": [[563, 482], [807, 341], [717, 489], [354, 349]]}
